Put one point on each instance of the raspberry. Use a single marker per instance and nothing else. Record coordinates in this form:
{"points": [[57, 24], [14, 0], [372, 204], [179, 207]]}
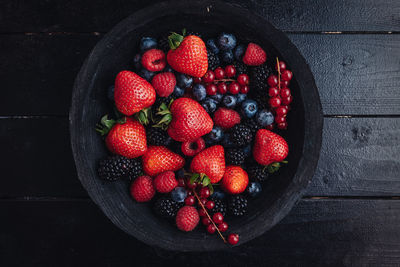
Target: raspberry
{"points": [[187, 218], [142, 189], [165, 182], [154, 60], [164, 83]]}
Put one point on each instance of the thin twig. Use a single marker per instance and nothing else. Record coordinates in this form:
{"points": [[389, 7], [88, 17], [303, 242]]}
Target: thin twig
{"points": [[279, 73]]}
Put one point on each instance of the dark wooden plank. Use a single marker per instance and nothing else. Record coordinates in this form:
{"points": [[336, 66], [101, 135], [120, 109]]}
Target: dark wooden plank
{"points": [[87, 16], [359, 157], [356, 74], [316, 233]]}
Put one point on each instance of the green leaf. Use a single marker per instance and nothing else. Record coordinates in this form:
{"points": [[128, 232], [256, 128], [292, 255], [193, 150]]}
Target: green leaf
{"points": [[184, 32], [121, 120], [174, 40], [211, 189], [194, 178], [206, 181]]}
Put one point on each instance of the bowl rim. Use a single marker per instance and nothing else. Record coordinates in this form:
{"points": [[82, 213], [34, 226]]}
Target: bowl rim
{"points": [[313, 119]]}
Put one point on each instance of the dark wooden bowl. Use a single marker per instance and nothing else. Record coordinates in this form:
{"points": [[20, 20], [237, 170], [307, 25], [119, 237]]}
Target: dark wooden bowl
{"points": [[115, 52]]}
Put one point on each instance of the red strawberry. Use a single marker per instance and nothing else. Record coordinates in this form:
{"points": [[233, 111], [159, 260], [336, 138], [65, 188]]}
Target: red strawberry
{"points": [[189, 120], [126, 139], [159, 159], [254, 55], [269, 147], [154, 60], [164, 83], [132, 93], [226, 118], [187, 218], [210, 161], [188, 55], [142, 189], [235, 180], [165, 182]]}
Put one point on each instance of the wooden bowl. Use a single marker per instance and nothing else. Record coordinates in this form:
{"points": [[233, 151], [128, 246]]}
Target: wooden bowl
{"points": [[115, 52]]}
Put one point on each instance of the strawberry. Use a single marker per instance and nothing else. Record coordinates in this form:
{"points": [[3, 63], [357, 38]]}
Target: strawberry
{"points": [[188, 55], [165, 182], [235, 180], [164, 83], [132, 93], [187, 218], [158, 159], [189, 120], [269, 147], [226, 118], [211, 162], [125, 137], [254, 55], [142, 189], [154, 60]]}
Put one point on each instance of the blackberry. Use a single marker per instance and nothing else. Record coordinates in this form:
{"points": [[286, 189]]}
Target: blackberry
{"points": [[117, 167], [258, 172], [163, 43], [166, 207], [160, 100], [237, 205], [213, 60], [258, 77], [253, 125], [261, 97], [241, 135], [234, 156], [240, 67], [157, 137], [220, 206]]}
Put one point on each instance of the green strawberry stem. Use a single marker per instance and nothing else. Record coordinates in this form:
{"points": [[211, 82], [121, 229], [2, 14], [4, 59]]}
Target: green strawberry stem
{"points": [[274, 167], [203, 179], [166, 116], [175, 39], [143, 116], [106, 124]]}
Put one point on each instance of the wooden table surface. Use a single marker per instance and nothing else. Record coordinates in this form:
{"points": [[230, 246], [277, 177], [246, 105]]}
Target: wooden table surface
{"points": [[350, 215]]}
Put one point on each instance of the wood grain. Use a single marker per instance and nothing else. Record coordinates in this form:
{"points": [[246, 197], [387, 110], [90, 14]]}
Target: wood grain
{"points": [[355, 74], [100, 16], [316, 233], [359, 157]]}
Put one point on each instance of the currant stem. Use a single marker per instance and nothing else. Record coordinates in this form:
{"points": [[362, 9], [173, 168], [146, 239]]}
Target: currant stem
{"points": [[224, 80], [279, 73], [202, 206]]}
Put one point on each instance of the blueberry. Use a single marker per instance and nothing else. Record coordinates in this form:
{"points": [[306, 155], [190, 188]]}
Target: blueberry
{"points": [[136, 62], [178, 194], [254, 189], [178, 92], [249, 108], [199, 92], [218, 194], [241, 98], [212, 46], [226, 41], [146, 74], [216, 134], [180, 173], [227, 56], [227, 141], [147, 43], [229, 101], [217, 97], [239, 51], [247, 151], [265, 117], [211, 105], [183, 80], [110, 93]]}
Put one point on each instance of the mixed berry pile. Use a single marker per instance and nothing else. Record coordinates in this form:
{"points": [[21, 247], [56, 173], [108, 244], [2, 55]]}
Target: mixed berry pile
{"points": [[194, 130]]}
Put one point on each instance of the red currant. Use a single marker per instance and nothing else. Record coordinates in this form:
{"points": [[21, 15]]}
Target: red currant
{"points": [[287, 108], [230, 71], [282, 66], [190, 200], [197, 80], [218, 218], [272, 80], [281, 111], [287, 75], [234, 88], [275, 102], [205, 192], [243, 79], [284, 84], [287, 100], [222, 88], [211, 89], [273, 91], [219, 73], [202, 213], [190, 193], [282, 125], [191, 185], [222, 227], [210, 205], [270, 127], [244, 89], [205, 221], [233, 239], [211, 229], [285, 92], [181, 182], [208, 77], [203, 201], [280, 119]]}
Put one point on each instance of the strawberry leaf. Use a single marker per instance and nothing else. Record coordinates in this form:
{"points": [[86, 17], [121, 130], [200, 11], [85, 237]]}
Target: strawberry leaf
{"points": [[194, 178], [206, 181], [105, 125], [211, 188], [174, 40]]}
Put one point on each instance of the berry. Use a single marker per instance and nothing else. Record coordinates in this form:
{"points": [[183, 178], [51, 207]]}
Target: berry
{"points": [[269, 147], [158, 159], [234, 156], [249, 108], [222, 88], [203, 201], [202, 213], [240, 67], [259, 76], [227, 141], [164, 83], [196, 80], [193, 148], [227, 56], [154, 60], [219, 73], [187, 218], [217, 97], [145, 74], [244, 89], [116, 167], [280, 119], [258, 172], [212, 45], [247, 151], [181, 182], [205, 221], [235, 180], [285, 92], [178, 91], [204, 192], [284, 84], [211, 89], [210, 205], [142, 189], [183, 80], [208, 77], [254, 55], [166, 207], [241, 135], [282, 125], [254, 189], [213, 60], [243, 79], [230, 71], [237, 205], [229, 101], [233, 239], [226, 41], [190, 185], [239, 52], [273, 91], [147, 43], [166, 100], [211, 229], [272, 80], [282, 66], [216, 134], [287, 100], [234, 88], [222, 227], [165, 182], [190, 200], [218, 218], [241, 97], [287, 75], [264, 117], [137, 64], [209, 104], [281, 111], [226, 118], [219, 205], [199, 92], [253, 125], [211, 162], [218, 195], [275, 102], [179, 194]]}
